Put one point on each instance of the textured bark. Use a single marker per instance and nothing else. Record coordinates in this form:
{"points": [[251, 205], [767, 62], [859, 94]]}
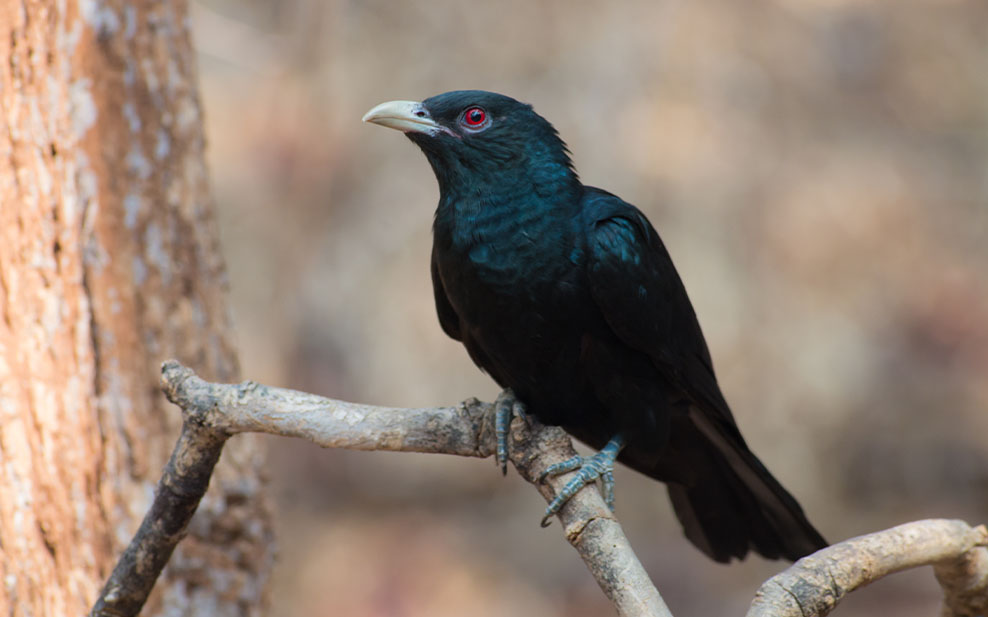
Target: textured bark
{"points": [[108, 265]]}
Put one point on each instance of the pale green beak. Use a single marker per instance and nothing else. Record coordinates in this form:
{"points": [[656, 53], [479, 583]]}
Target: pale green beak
{"points": [[405, 116]]}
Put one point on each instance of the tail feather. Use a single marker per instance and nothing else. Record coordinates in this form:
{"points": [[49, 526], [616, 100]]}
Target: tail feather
{"points": [[730, 503]]}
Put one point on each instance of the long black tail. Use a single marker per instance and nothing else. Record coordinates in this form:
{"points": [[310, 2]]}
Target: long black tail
{"points": [[729, 502]]}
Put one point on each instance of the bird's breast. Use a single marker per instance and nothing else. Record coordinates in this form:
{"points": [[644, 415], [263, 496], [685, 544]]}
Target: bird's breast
{"points": [[515, 298], [508, 244], [506, 262]]}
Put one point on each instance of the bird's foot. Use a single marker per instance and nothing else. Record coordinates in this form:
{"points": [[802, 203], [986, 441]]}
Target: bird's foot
{"points": [[589, 469], [506, 407]]}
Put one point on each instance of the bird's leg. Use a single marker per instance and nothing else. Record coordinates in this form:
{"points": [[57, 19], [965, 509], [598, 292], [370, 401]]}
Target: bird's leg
{"points": [[591, 468], [505, 408]]}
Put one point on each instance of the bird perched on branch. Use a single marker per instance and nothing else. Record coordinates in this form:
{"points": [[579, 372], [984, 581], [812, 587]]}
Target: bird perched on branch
{"points": [[565, 295]]}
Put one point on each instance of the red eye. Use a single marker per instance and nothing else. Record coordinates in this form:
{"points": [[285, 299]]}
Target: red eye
{"points": [[475, 117]]}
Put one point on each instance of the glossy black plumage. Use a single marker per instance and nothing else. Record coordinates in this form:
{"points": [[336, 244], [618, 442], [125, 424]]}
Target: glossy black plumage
{"points": [[566, 294]]}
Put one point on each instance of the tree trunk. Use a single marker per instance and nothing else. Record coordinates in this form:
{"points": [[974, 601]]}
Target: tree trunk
{"points": [[109, 264]]}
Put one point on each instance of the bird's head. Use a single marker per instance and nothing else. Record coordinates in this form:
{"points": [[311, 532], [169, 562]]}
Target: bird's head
{"points": [[482, 142]]}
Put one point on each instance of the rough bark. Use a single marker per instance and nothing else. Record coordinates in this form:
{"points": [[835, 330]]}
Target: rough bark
{"points": [[108, 264]]}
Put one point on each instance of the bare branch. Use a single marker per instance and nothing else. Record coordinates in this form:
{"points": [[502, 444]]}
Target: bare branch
{"points": [[213, 412], [464, 430], [814, 585], [183, 483], [589, 524], [965, 581]]}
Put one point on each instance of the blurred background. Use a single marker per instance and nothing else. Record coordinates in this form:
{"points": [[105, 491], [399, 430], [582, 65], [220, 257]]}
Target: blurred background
{"points": [[817, 168]]}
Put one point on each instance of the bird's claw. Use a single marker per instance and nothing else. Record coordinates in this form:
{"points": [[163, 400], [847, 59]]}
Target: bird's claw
{"points": [[589, 469], [506, 407], [597, 468]]}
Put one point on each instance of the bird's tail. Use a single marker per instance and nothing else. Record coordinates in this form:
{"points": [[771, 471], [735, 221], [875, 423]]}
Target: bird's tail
{"points": [[731, 502]]}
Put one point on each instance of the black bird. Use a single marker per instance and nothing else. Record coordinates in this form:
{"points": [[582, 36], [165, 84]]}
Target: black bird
{"points": [[565, 294]]}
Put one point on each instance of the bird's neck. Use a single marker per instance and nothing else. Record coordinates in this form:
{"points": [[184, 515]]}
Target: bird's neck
{"points": [[502, 218], [507, 241], [537, 181], [498, 211]]}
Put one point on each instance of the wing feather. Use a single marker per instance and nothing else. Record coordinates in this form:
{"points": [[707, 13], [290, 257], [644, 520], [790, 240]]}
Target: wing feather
{"points": [[448, 318], [637, 289]]}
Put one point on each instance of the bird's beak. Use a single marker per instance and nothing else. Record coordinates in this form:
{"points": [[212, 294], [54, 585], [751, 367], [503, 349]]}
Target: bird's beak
{"points": [[405, 116]]}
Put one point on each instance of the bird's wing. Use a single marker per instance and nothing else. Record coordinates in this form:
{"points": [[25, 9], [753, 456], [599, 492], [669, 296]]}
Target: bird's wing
{"points": [[448, 318], [635, 285]]}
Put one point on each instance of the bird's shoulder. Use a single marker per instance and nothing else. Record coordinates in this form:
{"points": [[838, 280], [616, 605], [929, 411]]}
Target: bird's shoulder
{"points": [[599, 206], [641, 296], [617, 232]]}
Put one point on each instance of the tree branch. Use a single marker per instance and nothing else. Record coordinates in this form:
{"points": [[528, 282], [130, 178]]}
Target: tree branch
{"points": [[815, 584], [213, 412], [183, 483]]}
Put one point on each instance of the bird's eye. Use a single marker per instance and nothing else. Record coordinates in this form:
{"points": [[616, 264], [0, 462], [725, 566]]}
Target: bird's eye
{"points": [[475, 118]]}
